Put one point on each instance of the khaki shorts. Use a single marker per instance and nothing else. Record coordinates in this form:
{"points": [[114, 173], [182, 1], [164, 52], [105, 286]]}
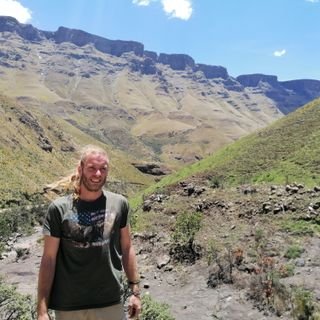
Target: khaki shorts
{"points": [[115, 312]]}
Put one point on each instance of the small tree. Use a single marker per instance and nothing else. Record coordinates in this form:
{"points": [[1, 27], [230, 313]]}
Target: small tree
{"points": [[183, 248]]}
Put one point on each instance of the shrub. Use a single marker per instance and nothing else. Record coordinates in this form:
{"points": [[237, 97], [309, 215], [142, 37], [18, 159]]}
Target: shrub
{"points": [[211, 252], [266, 289], [183, 248], [216, 182], [15, 306], [152, 310], [303, 306], [186, 227], [286, 270], [293, 252], [19, 219]]}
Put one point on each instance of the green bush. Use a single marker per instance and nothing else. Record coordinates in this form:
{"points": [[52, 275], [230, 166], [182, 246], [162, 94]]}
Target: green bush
{"points": [[293, 252], [186, 227], [183, 248], [19, 219], [15, 306], [152, 310], [303, 305]]}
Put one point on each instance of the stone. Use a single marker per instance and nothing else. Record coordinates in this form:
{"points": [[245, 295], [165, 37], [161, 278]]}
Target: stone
{"points": [[163, 261]]}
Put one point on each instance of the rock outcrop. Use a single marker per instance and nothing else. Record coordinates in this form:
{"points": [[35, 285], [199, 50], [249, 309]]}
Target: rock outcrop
{"points": [[176, 61], [253, 80], [77, 37], [25, 31], [211, 72]]}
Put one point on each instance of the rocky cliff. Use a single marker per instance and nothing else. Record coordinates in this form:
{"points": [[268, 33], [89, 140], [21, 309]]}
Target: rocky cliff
{"points": [[287, 95]]}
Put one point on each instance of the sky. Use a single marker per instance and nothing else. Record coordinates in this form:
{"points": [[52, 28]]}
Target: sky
{"points": [[273, 37]]}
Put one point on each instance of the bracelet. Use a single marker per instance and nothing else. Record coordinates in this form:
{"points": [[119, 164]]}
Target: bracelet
{"points": [[133, 282]]}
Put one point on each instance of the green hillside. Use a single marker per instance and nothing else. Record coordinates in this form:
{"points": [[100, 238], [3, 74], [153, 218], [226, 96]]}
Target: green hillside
{"points": [[37, 149], [286, 151]]}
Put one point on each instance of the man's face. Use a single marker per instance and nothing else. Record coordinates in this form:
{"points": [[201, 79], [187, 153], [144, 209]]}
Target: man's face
{"points": [[93, 172]]}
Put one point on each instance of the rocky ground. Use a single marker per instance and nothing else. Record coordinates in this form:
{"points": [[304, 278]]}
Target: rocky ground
{"points": [[185, 290], [184, 285]]}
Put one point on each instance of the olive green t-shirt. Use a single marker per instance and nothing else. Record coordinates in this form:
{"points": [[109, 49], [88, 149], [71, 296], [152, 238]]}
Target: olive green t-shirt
{"points": [[88, 266]]}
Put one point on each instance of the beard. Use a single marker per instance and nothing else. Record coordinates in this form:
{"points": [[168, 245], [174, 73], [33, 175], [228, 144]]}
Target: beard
{"points": [[92, 186]]}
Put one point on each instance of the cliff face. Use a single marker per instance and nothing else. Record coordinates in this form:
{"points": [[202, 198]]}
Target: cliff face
{"points": [[253, 80], [25, 31], [77, 37], [288, 95]]}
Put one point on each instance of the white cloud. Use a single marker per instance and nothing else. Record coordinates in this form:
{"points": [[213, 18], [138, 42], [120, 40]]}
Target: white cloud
{"points": [[280, 53], [181, 9], [313, 1], [15, 9], [141, 2]]}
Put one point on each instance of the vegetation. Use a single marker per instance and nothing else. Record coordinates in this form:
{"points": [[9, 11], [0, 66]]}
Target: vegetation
{"points": [[19, 220], [300, 227], [152, 310], [186, 227], [304, 307], [293, 252], [15, 306], [183, 248]]}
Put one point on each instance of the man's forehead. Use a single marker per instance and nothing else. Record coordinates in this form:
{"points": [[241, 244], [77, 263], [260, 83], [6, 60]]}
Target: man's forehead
{"points": [[96, 159]]}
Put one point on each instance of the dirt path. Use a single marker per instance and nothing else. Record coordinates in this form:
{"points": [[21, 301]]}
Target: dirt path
{"points": [[23, 272], [190, 298]]}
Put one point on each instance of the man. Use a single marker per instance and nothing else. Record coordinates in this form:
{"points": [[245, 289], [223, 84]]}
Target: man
{"points": [[86, 244]]}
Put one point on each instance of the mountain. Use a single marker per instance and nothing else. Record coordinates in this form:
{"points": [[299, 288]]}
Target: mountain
{"points": [[284, 152], [236, 251], [162, 108], [155, 112]]}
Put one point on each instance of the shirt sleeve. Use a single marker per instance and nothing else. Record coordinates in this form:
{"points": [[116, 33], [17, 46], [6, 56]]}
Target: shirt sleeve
{"points": [[53, 222]]}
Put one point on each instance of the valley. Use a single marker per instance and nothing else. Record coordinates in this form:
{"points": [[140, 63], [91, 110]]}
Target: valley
{"points": [[222, 173]]}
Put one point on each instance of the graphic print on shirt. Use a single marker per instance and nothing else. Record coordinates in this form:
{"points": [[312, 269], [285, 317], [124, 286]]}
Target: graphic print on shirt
{"points": [[88, 229]]}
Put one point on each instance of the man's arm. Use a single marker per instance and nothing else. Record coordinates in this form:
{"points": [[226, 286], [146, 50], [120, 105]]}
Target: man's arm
{"points": [[46, 275], [129, 263]]}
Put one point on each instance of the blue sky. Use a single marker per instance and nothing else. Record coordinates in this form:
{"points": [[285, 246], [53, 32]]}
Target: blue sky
{"points": [[275, 37]]}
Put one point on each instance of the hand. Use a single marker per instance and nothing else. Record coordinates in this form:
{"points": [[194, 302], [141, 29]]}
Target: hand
{"points": [[134, 307], [44, 316]]}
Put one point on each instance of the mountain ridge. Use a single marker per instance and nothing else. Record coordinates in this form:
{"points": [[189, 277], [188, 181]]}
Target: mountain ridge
{"points": [[175, 61]]}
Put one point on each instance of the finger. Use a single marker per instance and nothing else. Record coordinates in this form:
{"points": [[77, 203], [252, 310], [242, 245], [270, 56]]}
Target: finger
{"points": [[133, 312]]}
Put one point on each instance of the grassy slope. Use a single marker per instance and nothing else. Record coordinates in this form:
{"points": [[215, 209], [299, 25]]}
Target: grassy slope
{"points": [[26, 168], [286, 151]]}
